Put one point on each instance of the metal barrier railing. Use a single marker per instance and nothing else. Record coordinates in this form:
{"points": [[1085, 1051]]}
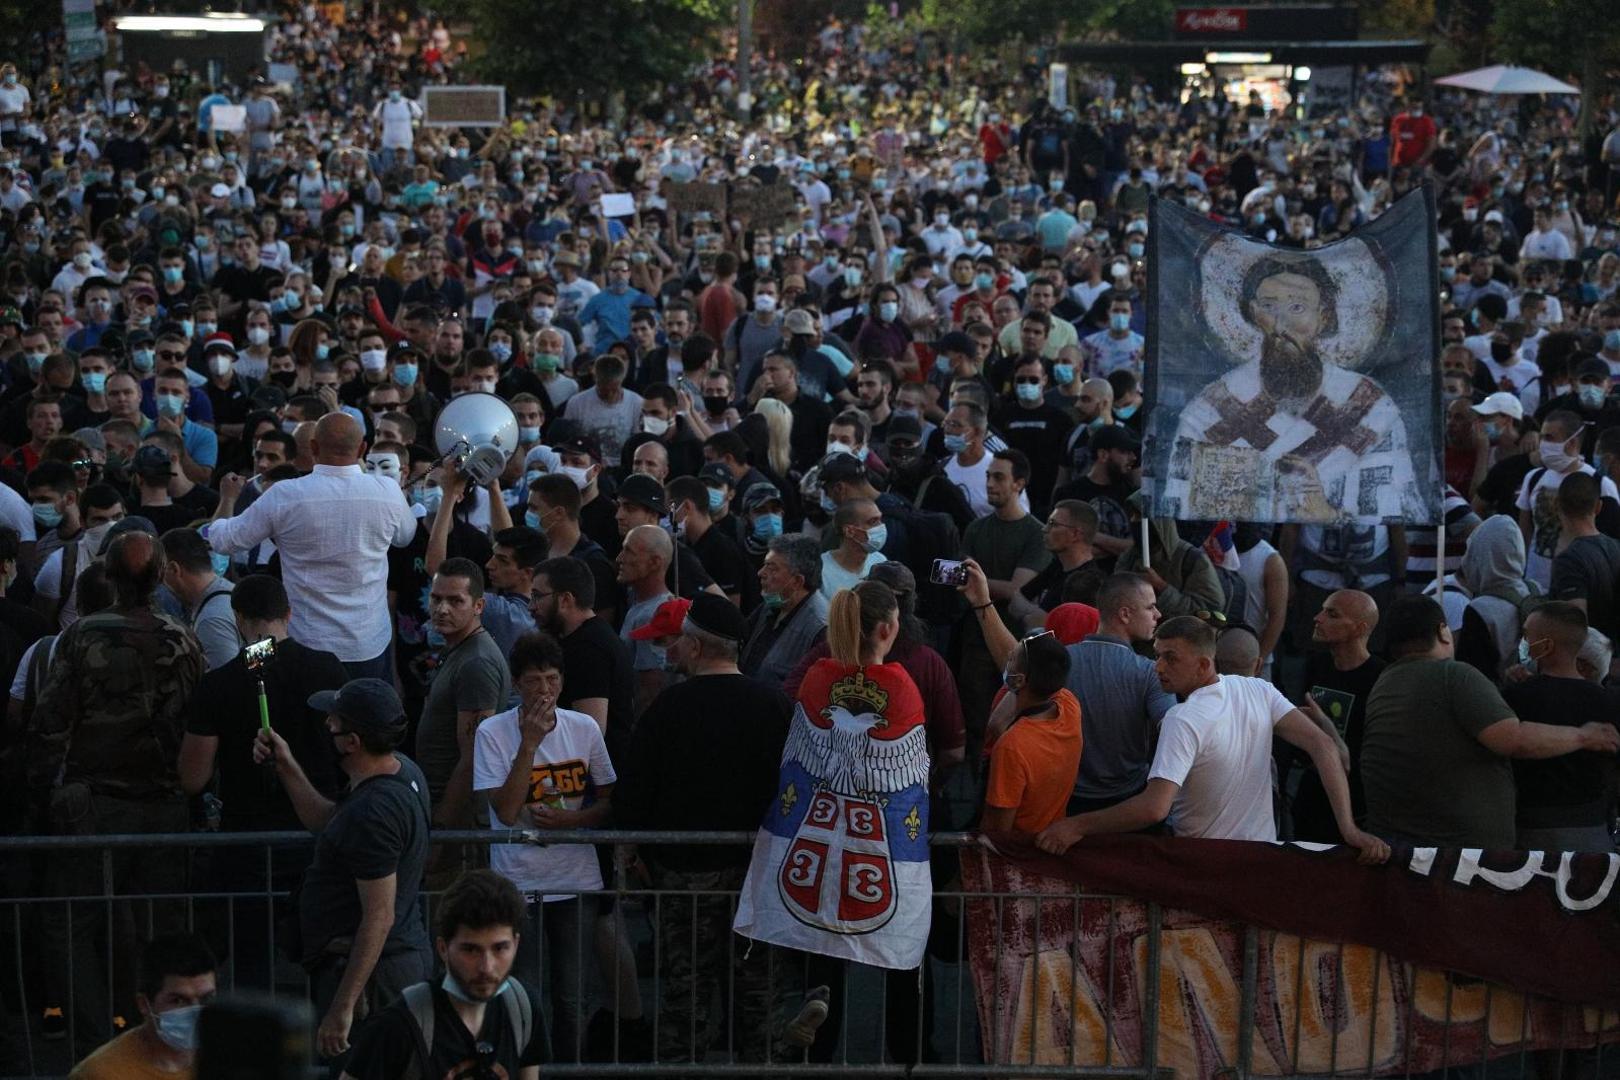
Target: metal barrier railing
{"points": [[649, 957]]}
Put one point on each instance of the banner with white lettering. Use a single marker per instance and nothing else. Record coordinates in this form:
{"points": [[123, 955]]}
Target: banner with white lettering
{"points": [[840, 866], [1441, 958], [1287, 382]]}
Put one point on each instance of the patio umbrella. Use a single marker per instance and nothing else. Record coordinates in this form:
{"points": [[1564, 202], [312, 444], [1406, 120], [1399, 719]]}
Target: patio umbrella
{"points": [[1506, 79]]}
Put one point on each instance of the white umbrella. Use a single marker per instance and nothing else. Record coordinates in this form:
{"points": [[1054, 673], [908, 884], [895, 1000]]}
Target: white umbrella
{"points": [[1507, 79]]}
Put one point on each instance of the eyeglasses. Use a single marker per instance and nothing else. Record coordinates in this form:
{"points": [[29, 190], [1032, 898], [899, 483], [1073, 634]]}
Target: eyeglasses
{"points": [[171, 354], [1027, 380]]}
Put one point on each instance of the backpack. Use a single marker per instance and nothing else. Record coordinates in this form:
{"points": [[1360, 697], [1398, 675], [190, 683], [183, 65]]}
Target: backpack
{"points": [[932, 536], [1236, 591], [418, 1001]]}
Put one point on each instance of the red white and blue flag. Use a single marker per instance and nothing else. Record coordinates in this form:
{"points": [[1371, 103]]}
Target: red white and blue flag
{"points": [[840, 866]]}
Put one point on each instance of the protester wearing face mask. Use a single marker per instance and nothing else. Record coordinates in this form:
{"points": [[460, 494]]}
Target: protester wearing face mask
{"points": [[1560, 457], [177, 979], [1037, 427]]}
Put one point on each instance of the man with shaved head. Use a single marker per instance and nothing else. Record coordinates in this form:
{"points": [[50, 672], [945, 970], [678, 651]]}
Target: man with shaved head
{"points": [[642, 563], [1339, 680], [333, 529]]}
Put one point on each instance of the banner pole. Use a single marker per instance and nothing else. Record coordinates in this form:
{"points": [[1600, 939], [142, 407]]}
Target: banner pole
{"points": [[1146, 565], [1440, 547]]}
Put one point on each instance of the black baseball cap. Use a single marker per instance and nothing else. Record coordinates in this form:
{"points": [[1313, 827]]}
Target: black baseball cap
{"points": [[903, 427], [643, 490], [718, 616], [716, 473], [838, 467], [153, 461], [364, 705]]}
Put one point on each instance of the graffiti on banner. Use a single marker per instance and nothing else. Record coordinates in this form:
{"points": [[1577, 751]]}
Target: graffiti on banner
{"points": [[1066, 978], [840, 866]]}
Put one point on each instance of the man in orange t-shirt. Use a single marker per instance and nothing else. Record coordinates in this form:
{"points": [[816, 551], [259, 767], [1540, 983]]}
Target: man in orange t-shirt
{"points": [[1035, 755]]}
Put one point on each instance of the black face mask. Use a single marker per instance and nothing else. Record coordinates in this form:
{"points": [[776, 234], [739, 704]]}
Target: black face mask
{"points": [[284, 379], [716, 403], [1501, 351]]}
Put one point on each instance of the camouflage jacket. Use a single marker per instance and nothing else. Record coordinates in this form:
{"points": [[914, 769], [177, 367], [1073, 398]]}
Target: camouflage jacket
{"points": [[112, 711]]}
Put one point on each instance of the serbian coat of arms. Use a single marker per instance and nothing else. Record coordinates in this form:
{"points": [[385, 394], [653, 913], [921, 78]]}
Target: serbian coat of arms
{"points": [[840, 866]]}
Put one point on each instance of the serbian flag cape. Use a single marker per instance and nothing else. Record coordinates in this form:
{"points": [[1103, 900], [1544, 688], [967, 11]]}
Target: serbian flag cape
{"points": [[840, 866]]}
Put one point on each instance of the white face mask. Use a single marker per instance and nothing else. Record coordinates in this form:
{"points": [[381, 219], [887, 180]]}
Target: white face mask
{"points": [[580, 477], [219, 365], [383, 465], [654, 425], [374, 359], [257, 335], [484, 386], [765, 303]]}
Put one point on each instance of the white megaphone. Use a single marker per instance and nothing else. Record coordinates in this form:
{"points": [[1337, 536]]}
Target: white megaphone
{"points": [[479, 433]]}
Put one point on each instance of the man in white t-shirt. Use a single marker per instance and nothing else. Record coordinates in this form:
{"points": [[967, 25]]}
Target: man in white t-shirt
{"points": [[541, 767], [1538, 492], [1211, 773], [397, 115]]}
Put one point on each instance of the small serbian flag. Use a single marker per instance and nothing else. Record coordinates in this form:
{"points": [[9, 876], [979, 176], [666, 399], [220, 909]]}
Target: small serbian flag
{"points": [[1220, 548]]}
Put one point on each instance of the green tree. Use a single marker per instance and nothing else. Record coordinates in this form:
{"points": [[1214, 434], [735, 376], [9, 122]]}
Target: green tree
{"points": [[1565, 38], [594, 50], [992, 22]]}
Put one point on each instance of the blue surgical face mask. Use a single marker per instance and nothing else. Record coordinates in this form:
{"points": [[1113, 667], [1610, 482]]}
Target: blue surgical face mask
{"points": [[1119, 321], [827, 505], [888, 311], [322, 351], [984, 281], [95, 382], [532, 520], [1592, 396], [717, 500], [1063, 373], [405, 374], [1125, 412], [767, 527], [1028, 392], [429, 498], [170, 404], [1136, 251], [956, 443], [528, 434], [178, 1027], [47, 515], [501, 350], [942, 364], [876, 537], [1611, 341], [453, 988], [222, 563]]}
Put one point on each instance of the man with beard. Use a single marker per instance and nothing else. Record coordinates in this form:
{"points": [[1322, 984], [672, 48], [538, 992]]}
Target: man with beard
{"points": [[478, 1012], [1316, 442]]}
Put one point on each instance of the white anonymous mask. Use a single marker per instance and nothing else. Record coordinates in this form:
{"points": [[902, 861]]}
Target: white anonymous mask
{"points": [[383, 465]]}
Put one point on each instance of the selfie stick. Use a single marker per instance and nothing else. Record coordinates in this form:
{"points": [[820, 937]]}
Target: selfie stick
{"points": [[264, 707]]}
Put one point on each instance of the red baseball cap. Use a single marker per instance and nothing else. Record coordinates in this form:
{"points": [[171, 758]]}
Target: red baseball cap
{"points": [[666, 621]]}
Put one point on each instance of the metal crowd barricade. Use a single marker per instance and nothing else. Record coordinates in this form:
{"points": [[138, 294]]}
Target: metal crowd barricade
{"points": [[948, 1040]]}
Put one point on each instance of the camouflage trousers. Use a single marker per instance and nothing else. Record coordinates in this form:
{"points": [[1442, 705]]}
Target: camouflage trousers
{"points": [[718, 990]]}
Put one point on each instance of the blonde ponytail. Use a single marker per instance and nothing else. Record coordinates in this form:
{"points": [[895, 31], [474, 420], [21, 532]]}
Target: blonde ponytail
{"points": [[854, 615], [844, 627]]}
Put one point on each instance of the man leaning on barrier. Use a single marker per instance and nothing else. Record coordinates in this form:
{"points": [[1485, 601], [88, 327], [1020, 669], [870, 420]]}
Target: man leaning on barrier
{"points": [[362, 938]]}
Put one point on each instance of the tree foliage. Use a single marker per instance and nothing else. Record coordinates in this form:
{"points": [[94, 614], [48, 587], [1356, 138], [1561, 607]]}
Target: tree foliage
{"points": [[992, 22], [1567, 38], [592, 50]]}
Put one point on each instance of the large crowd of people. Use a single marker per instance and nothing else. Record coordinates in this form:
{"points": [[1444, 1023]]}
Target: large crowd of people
{"points": [[892, 417]]}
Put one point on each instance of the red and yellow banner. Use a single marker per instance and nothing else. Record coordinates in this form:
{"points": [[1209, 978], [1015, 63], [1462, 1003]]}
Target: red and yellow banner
{"points": [[1357, 969]]}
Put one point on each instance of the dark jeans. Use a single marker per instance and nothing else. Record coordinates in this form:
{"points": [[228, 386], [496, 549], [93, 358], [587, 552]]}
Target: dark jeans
{"points": [[92, 941], [555, 956], [389, 978]]}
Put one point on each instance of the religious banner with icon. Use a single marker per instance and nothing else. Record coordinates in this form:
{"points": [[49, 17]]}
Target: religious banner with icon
{"points": [[840, 866], [1298, 385]]}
